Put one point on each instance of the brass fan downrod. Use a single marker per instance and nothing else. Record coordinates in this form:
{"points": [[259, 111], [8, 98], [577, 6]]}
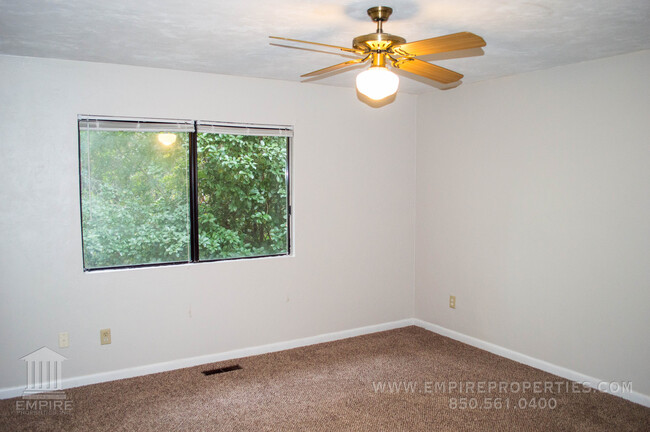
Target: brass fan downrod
{"points": [[378, 41]]}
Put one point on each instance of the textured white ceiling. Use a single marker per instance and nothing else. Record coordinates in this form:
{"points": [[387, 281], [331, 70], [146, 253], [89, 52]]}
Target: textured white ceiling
{"points": [[231, 37]]}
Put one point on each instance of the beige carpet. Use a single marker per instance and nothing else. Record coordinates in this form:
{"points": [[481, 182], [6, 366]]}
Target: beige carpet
{"points": [[336, 386]]}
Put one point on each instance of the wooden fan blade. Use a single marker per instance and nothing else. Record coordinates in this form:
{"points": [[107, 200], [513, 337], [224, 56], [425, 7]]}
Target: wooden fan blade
{"points": [[321, 44], [452, 42], [335, 67], [428, 70]]}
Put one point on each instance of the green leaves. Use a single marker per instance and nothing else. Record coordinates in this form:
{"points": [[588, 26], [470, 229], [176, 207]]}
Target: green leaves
{"points": [[242, 183], [135, 197]]}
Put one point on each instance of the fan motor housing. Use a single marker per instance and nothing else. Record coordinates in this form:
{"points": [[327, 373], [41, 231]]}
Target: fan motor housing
{"points": [[377, 41]]}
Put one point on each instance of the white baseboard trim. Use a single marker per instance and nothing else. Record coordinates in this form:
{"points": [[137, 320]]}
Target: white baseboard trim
{"points": [[9, 392], [560, 371], [633, 396]]}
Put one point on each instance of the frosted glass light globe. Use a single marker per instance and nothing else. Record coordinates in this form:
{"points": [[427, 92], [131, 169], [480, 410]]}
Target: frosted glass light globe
{"points": [[377, 82]]}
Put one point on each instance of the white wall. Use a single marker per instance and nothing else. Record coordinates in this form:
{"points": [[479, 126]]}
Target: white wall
{"points": [[533, 208], [354, 202]]}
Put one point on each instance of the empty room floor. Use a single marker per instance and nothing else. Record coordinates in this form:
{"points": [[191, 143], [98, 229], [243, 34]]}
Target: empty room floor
{"points": [[408, 379]]}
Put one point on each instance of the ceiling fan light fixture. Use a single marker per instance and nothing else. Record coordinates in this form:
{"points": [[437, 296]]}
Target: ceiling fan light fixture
{"points": [[382, 49], [377, 83]]}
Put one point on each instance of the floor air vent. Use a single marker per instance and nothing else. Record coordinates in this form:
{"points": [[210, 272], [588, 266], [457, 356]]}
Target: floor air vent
{"points": [[221, 370]]}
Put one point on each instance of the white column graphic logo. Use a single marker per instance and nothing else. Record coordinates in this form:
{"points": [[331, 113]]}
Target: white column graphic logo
{"points": [[44, 371]]}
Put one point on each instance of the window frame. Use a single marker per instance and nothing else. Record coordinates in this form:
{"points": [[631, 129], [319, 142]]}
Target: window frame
{"points": [[193, 204]]}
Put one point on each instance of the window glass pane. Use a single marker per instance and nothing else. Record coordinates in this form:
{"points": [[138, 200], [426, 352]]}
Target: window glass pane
{"points": [[242, 195], [134, 197]]}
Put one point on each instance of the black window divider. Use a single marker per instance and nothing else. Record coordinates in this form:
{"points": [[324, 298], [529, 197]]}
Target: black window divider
{"points": [[194, 197]]}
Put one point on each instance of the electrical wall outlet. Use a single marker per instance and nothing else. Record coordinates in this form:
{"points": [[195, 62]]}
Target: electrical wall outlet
{"points": [[452, 302], [64, 340], [105, 336]]}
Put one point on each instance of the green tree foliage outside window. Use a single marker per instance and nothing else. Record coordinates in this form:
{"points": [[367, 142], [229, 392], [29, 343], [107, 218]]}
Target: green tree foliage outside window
{"points": [[135, 197], [242, 195]]}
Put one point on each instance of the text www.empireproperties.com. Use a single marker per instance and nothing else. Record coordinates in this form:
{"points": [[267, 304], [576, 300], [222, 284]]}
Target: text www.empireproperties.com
{"points": [[498, 394]]}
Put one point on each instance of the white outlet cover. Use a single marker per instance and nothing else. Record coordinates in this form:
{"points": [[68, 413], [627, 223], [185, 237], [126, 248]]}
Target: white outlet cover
{"points": [[105, 336], [64, 340]]}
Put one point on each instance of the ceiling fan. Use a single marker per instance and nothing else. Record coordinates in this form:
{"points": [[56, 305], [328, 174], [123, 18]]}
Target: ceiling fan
{"points": [[382, 49]]}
